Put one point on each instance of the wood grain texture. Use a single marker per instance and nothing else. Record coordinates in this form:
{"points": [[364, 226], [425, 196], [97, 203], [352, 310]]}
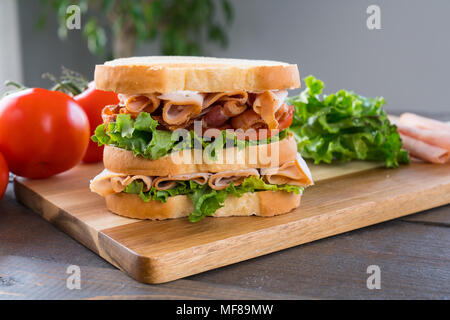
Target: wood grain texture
{"points": [[161, 251], [22, 278]]}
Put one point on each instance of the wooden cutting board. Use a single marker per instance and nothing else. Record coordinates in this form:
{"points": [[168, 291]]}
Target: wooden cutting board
{"points": [[344, 198]]}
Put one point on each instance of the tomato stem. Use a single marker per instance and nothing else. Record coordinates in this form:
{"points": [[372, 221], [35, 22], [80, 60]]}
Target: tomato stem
{"points": [[15, 84]]}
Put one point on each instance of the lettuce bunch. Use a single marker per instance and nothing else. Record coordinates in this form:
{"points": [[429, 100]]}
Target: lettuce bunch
{"points": [[206, 200], [344, 126]]}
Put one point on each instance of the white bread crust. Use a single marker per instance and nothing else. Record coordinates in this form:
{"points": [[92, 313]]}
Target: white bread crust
{"points": [[138, 75]]}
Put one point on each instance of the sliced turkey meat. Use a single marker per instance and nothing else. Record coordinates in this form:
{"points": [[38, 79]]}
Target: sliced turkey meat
{"points": [[140, 102], [165, 183], [294, 173], [180, 107], [222, 180], [108, 182], [266, 105]]}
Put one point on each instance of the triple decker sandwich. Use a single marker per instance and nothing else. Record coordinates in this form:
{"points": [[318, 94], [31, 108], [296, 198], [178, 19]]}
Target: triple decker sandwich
{"points": [[197, 137]]}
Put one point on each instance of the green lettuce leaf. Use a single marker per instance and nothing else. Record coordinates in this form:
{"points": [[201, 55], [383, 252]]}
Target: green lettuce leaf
{"points": [[141, 136], [138, 135], [344, 126], [206, 200]]}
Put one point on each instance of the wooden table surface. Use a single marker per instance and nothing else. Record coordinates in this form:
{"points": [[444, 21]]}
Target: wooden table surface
{"points": [[413, 254]]}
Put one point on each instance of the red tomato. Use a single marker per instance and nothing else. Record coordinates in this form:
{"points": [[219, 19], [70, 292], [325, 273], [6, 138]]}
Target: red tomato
{"points": [[284, 122], [4, 175], [93, 101], [42, 132]]}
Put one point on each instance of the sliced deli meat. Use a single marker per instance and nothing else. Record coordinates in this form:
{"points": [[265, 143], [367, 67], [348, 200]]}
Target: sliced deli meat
{"points": [[101, 184], [425, 151], [438, 138], [180, 107], [294, 173], [266, 105], [108, 182], [414, 120], [238, 97], [424, 138], [223, 180], [142, 102], [176, 115], [165, 183], [119, 184]]}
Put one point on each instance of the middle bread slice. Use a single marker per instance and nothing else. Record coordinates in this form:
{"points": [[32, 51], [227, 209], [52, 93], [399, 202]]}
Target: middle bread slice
{"points": [[255, 156]]}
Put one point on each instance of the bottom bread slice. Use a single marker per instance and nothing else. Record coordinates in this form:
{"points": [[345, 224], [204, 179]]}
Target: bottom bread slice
{"points": [[262, 203]]}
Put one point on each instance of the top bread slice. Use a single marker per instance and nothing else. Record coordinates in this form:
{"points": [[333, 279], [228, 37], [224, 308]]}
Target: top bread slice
{"points": [[138, 75]]}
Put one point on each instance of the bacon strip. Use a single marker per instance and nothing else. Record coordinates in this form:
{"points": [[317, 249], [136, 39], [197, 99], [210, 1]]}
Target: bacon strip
{"points": [[248, 120], [109, 113], [165, 183], [425, 151], [219, 114], [222, 180], [294, 173]]}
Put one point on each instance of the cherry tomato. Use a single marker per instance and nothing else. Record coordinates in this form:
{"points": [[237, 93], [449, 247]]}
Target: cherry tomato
{"points": [[93, 101], [42, 132], [4, 175]]}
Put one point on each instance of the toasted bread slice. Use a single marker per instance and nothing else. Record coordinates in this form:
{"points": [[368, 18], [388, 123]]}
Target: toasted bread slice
{"points": [[202, 74], [258, 156], [263, 203]]}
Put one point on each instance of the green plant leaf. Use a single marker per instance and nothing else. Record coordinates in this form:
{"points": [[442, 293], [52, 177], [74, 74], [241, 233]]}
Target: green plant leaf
{"points": [[181, 27]]}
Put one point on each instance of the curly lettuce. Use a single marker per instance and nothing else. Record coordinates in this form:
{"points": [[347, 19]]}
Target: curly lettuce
{"points": [[206, 201], [344, 126], [142, 138]]}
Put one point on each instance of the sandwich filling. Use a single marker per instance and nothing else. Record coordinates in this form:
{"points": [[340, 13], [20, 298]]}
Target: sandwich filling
{"points": [[224, 110], [207, 191], [155, 125], [147, 124]]}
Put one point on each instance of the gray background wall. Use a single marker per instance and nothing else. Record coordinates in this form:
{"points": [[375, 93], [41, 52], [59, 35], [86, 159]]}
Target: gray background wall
{"points": [[407, 61]]}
